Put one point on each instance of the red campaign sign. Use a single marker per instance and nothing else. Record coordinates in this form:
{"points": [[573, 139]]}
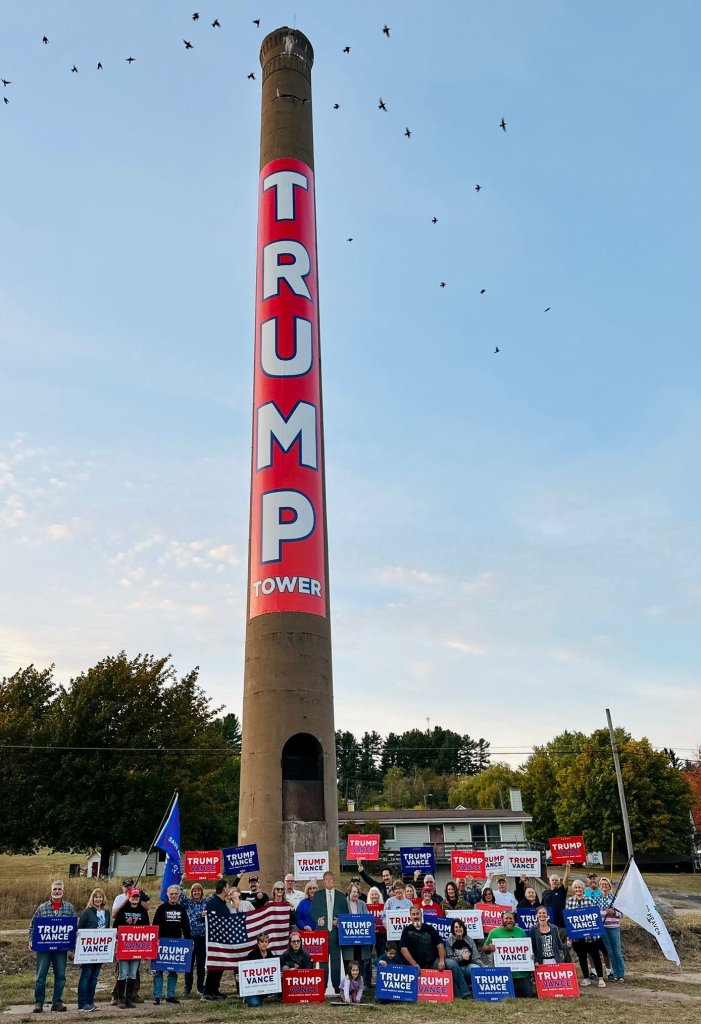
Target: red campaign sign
{"points": [[203, 865], [317, 945], [303, 986], [378, 912], [564, 848], [287, 551], [491, 915], [137, 942], [556, 981], [363, 847], [467, 862], [435, 987]]}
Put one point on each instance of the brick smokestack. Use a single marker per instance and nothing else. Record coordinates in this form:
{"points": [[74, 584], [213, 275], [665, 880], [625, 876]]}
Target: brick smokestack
{"points": [[288, 763]]}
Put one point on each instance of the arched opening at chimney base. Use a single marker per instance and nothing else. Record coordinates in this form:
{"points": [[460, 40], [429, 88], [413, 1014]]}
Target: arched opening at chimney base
{"points": [[303, 779]]}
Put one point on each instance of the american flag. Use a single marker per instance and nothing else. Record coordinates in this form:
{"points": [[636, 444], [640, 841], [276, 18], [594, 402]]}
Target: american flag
{"points": [[230, 937]]}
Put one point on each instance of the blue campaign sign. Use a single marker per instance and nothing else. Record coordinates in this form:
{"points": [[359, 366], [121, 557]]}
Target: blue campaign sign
{"points": [[356, 929], [492, 984], [398, 983], [441, 924], [54, 934], [417, 858], [584, 923], [525, 918], [173, 955], [240, 859]]}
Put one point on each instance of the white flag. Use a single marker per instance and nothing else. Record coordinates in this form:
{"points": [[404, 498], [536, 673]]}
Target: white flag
{"points": [[635, 901]]}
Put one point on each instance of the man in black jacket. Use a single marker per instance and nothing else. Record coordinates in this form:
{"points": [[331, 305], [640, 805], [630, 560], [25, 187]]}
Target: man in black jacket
{"points": [[385, 886], [216, 904]]}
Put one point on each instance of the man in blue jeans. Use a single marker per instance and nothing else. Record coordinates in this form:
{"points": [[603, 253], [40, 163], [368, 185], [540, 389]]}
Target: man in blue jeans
{"points": [[54, 907]]}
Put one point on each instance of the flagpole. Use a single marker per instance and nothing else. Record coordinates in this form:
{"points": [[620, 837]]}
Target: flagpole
{"points": [[621, 790], [158, 831]]}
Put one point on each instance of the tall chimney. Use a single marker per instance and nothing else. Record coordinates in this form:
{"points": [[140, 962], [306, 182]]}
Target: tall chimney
{"points": [[288, 798]]}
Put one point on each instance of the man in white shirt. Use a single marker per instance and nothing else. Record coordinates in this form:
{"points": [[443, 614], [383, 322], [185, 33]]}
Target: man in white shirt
{"points": [[292, 895], [122, 897], [502, 896]]}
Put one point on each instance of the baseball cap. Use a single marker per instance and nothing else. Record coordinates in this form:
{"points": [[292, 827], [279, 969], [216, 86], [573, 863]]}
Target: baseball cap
{"points": [[128, 881], [134, 892], [253, 878], [427, 888]]}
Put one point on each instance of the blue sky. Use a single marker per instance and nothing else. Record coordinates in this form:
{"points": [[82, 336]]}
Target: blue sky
{"points": [[514, 538]]}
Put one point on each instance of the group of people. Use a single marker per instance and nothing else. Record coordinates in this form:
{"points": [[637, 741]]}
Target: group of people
{"points": [[317, 907]]}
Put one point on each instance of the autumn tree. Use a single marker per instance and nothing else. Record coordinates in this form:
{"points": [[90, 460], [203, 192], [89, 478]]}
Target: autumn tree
{"points": [[488, 789]]}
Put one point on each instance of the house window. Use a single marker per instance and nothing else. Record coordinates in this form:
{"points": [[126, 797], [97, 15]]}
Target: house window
{"points": [[486, 835], [387, 833]]}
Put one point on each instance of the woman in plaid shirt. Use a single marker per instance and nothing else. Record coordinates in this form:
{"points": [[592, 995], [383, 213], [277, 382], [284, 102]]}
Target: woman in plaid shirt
{"points": [[586, 947]]}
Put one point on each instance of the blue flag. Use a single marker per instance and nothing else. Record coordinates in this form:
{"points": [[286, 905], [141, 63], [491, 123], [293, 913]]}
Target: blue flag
{"points": [[168, 839]]}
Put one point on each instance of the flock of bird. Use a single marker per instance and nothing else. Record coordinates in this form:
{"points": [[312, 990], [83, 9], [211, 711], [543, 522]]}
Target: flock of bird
{"points": [[216, 24]]}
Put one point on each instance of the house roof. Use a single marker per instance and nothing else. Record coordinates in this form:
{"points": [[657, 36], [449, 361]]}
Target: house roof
{"points": [[461, 814]]}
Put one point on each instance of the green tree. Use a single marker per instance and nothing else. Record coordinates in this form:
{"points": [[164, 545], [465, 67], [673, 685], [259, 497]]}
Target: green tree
{"points": [[26, 769], [657, 795], [542, 780], [138, 732], [444, 751], [488, 789]]}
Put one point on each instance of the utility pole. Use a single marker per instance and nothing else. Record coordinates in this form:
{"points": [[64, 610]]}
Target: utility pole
{"points": [[621, 791]]}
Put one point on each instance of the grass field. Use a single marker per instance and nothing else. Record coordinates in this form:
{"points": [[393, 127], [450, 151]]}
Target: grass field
{"points": [[652, 986]]}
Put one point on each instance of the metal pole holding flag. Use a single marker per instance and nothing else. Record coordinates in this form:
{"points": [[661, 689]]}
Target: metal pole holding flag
{"points": [[621, 790], [164, 819]]}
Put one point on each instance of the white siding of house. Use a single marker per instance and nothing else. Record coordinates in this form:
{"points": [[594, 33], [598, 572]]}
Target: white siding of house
{"points": [[456, 833], [512, 832], [124, 864], [409, 835]]}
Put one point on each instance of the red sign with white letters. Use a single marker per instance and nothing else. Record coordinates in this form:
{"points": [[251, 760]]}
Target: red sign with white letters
{"points": [[568, 848], [491, 915], [435, 986], [467, 862], [556, 981], [317, 945], [363, 847], [137, 942], [303, 985], [203, 865], [287, 553]]}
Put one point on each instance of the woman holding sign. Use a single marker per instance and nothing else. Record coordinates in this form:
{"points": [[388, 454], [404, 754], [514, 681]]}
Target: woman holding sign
{"points": [[545, 938], [95, 915], [586, 947], [361, 954], [612, 929], [462, 949]]}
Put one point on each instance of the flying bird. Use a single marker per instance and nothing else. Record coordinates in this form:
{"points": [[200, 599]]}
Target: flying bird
{"points": [[188, 45], [74, 69], [336, 106], [477, 188], [407, 133], [256, 22], [497, 349], [349, 239], [5, 82], [130, 60], [381, 105], [251, 75], [346, 49], [502, 124], [434, 220], [195, 16], [482, 291], [5, 99], [442, 284], [216, 23], [547, 310], [45, 40], [99, 66], [386, 30]]}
